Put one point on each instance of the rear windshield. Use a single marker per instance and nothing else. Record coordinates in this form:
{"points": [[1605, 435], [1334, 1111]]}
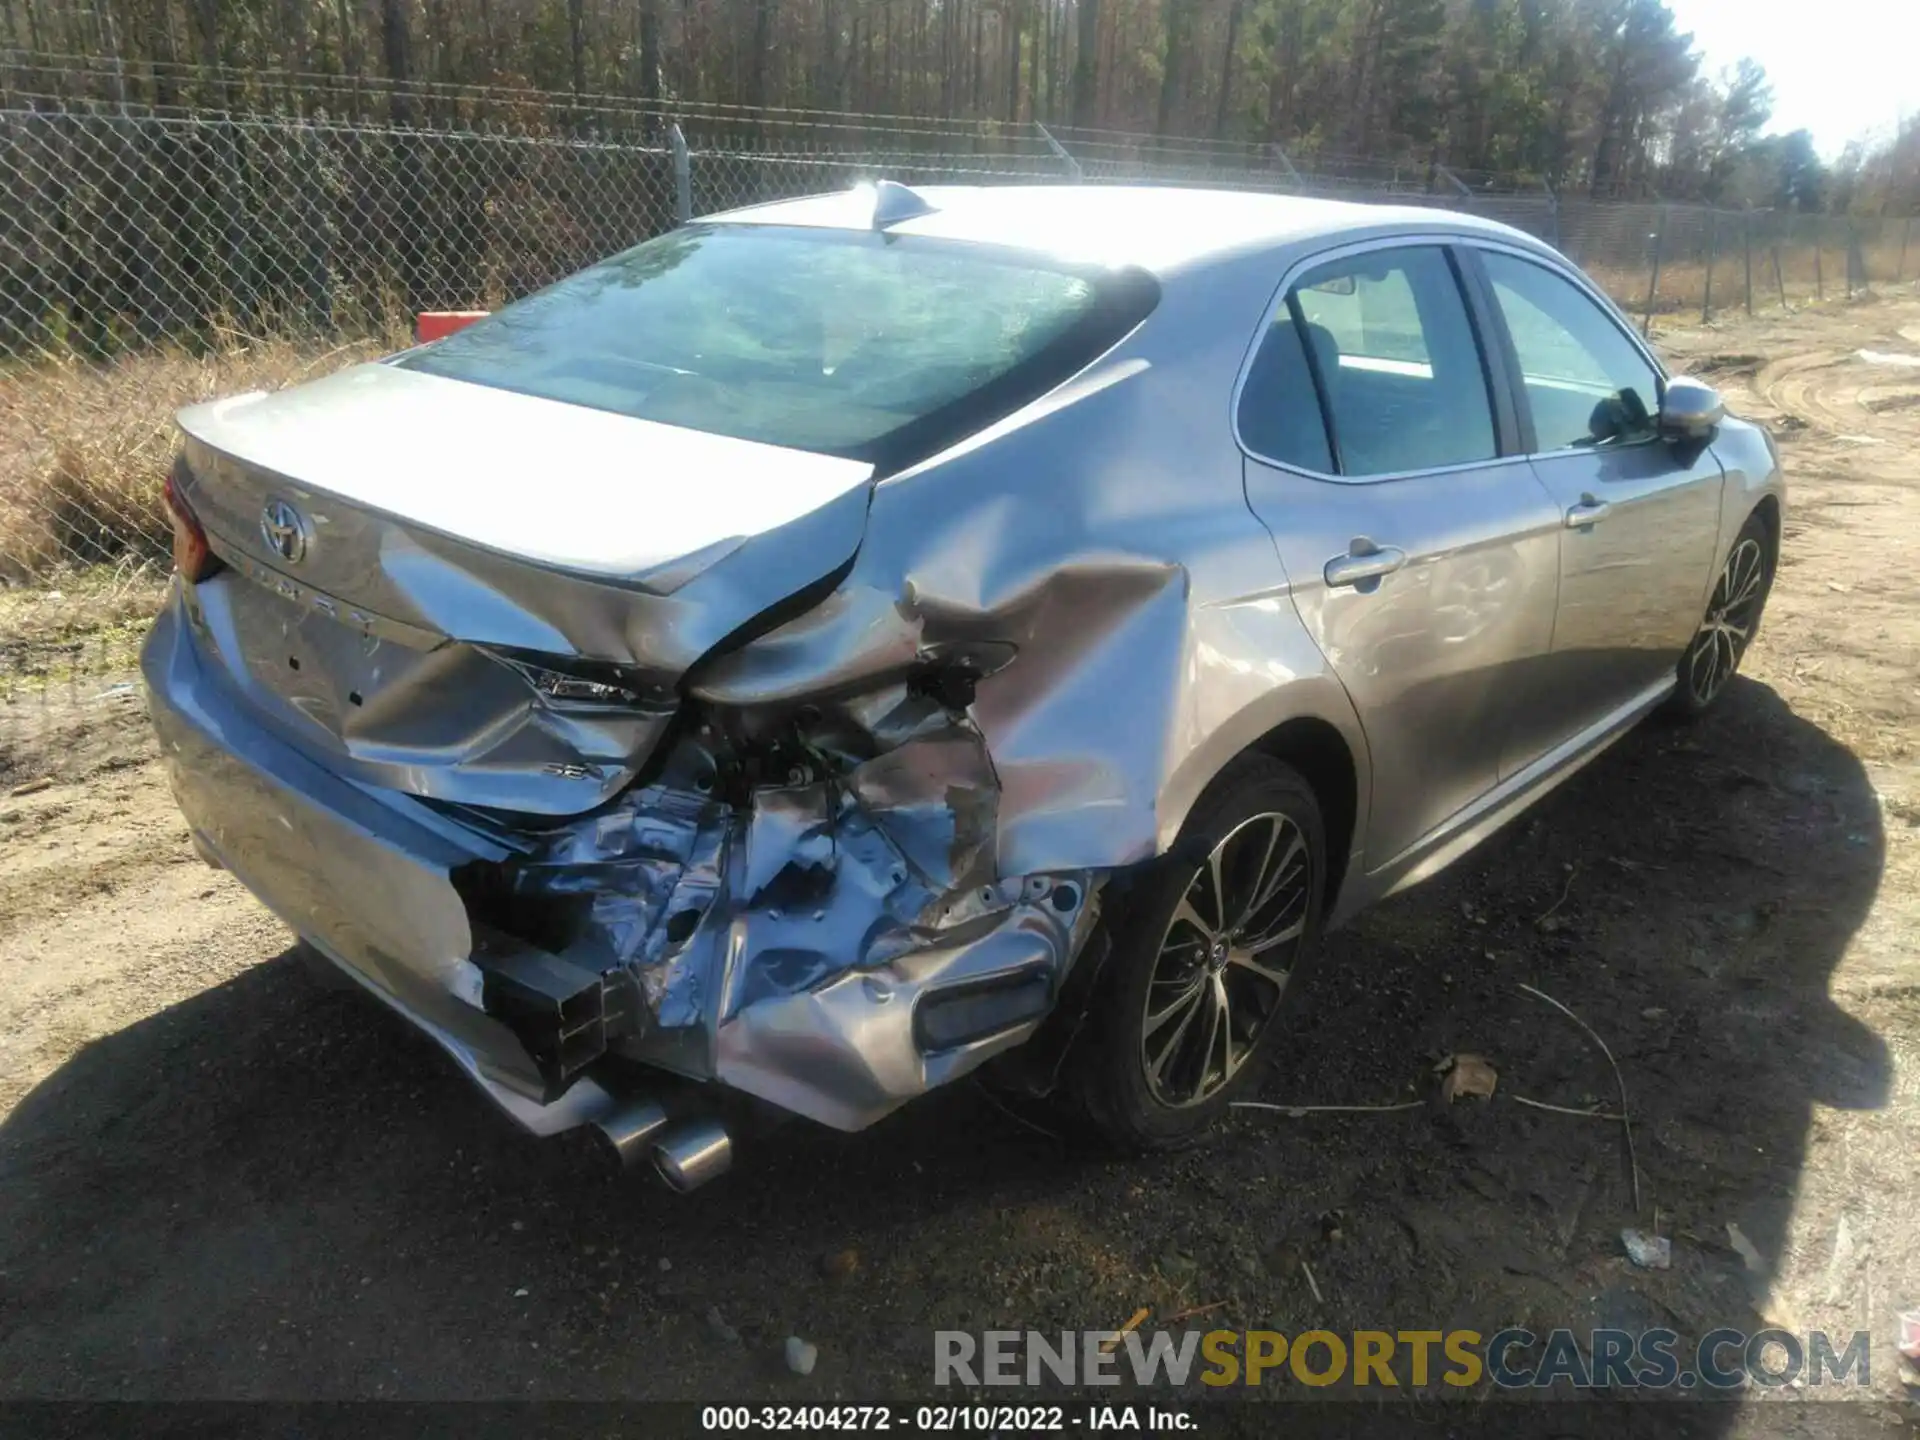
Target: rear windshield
{"points": [[862, 344]]}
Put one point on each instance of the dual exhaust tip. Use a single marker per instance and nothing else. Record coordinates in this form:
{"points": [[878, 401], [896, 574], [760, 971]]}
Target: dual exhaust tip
{"points": [[685, 1153]]}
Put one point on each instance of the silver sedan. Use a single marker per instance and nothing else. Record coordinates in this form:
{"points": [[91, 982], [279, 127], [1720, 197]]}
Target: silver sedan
{"points": [[840, 643]]}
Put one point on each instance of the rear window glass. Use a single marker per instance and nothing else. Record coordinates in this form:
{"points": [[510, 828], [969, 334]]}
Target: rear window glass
{"points": [[848, 343]]}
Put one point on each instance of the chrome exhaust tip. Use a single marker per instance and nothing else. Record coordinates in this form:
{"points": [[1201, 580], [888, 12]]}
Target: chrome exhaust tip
{"points": [[630, 1130], [692, 1153]]}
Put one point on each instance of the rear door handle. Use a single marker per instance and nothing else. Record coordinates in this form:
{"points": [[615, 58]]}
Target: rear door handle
{"points": [[1363, 565], [1589, 511]]}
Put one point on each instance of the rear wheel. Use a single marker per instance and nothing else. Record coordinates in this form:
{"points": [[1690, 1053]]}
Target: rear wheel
{"points": [[1208, 945], [1731, 621]]}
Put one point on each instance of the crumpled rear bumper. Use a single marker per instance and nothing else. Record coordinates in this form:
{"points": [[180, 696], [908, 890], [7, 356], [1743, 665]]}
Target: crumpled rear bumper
{"points": [[362, 879], [842, 1032]]}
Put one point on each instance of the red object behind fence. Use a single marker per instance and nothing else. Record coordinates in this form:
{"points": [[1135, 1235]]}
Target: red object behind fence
{"points": [[437, 323]]}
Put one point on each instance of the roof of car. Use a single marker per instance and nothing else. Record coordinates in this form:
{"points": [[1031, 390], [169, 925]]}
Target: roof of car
{"points": [[1157, 227]]}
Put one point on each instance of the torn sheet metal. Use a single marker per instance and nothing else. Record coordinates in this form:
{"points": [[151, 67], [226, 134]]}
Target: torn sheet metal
{"points": [[373, 699], [835, 938]]}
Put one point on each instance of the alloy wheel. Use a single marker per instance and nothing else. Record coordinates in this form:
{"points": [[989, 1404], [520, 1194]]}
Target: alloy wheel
{"points": [[1225, 959], [1729, 625]]}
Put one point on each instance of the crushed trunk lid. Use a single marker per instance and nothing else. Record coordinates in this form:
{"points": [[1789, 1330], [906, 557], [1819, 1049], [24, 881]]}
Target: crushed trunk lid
{"points": [[485, 597]]}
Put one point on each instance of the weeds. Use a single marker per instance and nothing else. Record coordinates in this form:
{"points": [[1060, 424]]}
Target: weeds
{"points": [[84, 446]]}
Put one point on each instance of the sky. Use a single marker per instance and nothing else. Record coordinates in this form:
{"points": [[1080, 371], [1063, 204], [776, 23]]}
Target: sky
{"points": [[1840, 68]]}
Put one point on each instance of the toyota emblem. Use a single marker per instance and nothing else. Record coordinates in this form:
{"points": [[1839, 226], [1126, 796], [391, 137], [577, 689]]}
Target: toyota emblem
{"points": [[285, 531]]}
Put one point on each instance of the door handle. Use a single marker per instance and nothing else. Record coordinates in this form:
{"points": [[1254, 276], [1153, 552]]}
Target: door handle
{"points": [[1363, 565], [1589, 511]]}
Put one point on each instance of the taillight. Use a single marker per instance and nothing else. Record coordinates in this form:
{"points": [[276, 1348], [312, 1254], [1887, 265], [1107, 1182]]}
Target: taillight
{"points": [[192, 556], [588, 684]]}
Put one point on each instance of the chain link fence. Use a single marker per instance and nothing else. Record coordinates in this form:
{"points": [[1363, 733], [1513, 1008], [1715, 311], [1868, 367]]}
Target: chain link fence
{"points": [[153, 255]]}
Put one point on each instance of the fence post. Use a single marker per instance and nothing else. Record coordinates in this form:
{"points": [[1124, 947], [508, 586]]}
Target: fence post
{"points": [[1653, 284], [1074, 172], [682, 176], [1900, 271], [1746, 255], [1779, 280], [242, 288], [1713, 235]]}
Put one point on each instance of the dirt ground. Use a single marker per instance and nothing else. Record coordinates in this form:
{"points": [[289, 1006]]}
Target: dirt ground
{"points": [[219, 1178]]}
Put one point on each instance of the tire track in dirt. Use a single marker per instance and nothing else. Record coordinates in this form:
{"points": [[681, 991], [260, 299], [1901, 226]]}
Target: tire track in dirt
{"points": [[1791, 386], [1849, 434], [1863, 410], [106, 914]]}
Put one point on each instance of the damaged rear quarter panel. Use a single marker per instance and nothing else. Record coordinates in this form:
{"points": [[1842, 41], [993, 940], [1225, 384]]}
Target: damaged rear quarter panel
{"points": [[1104, 535], [1101, 539]]}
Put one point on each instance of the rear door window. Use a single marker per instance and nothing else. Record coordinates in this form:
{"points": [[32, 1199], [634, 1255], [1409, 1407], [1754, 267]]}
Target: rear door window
{"points": [[1372, 313], [1386, 340], [826, 340]]}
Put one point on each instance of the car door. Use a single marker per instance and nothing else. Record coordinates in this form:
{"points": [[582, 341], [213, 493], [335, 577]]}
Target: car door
{"points": [[1640, 515], [1420, 550]]}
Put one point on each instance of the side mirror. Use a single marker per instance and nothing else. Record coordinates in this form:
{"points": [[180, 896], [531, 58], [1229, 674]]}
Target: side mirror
{"points": [[1691, 410]]}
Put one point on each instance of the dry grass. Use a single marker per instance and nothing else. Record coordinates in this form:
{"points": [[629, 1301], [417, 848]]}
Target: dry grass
{"points": [[1683, 283], [90, 624], [84, 446]]}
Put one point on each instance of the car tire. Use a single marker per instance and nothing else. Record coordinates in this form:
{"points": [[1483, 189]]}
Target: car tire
{"points": [[1731, 621], [1145, 1078]]}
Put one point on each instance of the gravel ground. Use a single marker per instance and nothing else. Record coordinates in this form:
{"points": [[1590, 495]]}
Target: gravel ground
{"points": [[220, 1178]]}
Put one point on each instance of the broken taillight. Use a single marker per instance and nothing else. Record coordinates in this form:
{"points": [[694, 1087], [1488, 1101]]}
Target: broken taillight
{"points": [[192, 556], [586, 684]]}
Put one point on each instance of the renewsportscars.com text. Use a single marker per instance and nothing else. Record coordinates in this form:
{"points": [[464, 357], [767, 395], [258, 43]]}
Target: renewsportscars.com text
{"points": [[1510, 1359]]}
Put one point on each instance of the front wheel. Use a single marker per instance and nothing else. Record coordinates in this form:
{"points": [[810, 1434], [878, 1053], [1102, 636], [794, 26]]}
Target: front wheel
{"points": [[1207, 949], [1731, 621]]}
